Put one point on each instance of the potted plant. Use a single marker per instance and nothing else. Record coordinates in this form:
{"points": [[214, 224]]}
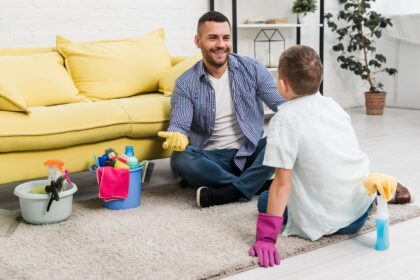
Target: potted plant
{"points": [[303, 7], [359, 29]]}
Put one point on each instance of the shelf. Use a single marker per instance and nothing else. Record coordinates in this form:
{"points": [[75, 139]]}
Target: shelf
{"points": [[235, 28], [279, 25]]}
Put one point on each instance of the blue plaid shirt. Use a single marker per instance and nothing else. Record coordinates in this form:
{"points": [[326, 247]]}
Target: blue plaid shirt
{"points": [[194, 103]]}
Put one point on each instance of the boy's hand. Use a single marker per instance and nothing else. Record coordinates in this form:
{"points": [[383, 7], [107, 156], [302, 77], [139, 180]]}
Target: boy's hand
{"points": [[268, 227], [266, 252], [174, 141]]}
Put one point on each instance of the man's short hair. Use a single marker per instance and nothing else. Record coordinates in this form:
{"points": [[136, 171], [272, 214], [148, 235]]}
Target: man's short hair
{"points": [[301, 67], [212, 16]]}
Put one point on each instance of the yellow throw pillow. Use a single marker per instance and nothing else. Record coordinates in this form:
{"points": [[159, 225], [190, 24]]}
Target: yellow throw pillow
{"points": [[116, 68], [167, 81], [41, 79], [11, 99]]}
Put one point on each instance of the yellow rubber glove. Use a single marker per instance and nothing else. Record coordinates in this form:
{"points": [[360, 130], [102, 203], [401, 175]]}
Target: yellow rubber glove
{"points": [[386, 185], [174, 140]]}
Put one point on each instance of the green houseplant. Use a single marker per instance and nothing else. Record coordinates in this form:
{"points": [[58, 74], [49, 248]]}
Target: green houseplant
{"points": [[358, 28], [303, 7]]}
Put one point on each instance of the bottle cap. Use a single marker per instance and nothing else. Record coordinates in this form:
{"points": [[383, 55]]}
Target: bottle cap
{"points": [[129, 151]]}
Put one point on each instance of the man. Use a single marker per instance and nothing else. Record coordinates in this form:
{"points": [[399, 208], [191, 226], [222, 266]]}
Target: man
{"points": [[217, 119]]}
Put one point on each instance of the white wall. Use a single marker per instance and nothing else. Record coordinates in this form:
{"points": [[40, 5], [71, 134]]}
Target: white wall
{"points": [[341, 85], [401, 46], [390, 7], [36, 22]]}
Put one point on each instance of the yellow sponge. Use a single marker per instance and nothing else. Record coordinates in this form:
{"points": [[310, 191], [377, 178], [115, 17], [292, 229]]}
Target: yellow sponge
{"points": [[38, 190]]}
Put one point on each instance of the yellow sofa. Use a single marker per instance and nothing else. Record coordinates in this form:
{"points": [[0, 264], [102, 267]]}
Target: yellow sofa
{"points": [[74, 131]]}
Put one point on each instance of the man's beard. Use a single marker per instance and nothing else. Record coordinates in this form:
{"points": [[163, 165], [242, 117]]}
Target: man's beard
{"points": [[214, 63]]}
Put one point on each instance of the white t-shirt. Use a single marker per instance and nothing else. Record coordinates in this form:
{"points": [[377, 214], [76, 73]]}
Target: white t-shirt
{"points": [[313, 136], [226, 133]]}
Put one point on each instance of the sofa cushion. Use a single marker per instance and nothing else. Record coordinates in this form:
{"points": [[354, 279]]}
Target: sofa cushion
{"points": [[76, 158], [25, 50], [167, 81], [11, 99], [40, 78], [148, 113], [84, 122], [116, 68], [62, 126]]}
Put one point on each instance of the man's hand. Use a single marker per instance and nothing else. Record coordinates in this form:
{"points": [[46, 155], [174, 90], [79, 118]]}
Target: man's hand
{"points": [[174, 140], [268, 227]]}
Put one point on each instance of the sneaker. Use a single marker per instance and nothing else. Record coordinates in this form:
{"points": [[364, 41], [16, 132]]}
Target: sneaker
{"points": [[402, 195], [207, 197]]}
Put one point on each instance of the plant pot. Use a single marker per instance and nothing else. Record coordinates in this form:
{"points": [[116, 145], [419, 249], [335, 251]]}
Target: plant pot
{"points": [[375, 103]]}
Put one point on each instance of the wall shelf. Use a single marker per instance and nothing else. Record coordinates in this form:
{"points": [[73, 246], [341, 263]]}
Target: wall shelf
{"points": [[236, 26], [280, 25]]}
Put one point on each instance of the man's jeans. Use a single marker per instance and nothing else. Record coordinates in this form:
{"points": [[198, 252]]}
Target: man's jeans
{"points": [[351, 228], [215, 168]]}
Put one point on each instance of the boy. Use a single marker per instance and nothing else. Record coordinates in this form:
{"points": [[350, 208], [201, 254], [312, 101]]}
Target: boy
{"points": [[319, 167]]}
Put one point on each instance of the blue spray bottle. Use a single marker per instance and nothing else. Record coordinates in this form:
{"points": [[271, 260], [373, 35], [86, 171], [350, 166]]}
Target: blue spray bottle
{"points": [[385, 187], [382, 224]]}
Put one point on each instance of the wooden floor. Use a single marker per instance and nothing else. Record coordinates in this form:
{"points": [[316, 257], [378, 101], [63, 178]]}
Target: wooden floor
{"points": [[392, 142]]}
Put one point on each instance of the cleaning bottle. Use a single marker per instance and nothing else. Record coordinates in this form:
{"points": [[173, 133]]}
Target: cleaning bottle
{"points": [[382, 224], [131, 161], [55, 168], [384, 186]]}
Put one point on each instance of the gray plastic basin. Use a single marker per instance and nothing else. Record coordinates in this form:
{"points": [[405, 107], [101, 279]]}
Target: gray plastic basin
{"points": [[34, 206]]}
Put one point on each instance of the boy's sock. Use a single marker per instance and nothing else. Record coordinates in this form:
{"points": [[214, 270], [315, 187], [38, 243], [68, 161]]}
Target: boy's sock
{"points": [[207, 197]]}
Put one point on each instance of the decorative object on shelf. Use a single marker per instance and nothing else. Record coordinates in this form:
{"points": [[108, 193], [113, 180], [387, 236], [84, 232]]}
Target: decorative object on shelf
{"points": [[276, 20], [303, 7], [236, 27], [359, 29], [268, 36], [255, 21]]}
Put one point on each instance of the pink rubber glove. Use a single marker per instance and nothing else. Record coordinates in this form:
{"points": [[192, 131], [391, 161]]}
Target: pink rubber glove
{"points": [[268, 228]]}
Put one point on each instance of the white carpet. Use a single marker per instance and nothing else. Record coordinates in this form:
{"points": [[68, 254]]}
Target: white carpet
{"points": [[168, 237]]}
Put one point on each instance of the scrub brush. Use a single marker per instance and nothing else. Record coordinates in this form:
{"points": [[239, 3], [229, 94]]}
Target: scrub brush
{"points": [[147, 170]]}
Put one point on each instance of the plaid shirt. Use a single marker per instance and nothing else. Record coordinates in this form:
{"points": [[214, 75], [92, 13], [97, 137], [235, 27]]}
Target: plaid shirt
{"points": [[194, 103]]}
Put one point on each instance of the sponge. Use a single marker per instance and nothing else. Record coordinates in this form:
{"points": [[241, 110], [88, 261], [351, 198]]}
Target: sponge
{"points": [[38, 190]]}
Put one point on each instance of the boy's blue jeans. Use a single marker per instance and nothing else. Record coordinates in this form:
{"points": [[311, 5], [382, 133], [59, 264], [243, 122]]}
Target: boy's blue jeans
{"points": [[351, 228], [215, 168]]}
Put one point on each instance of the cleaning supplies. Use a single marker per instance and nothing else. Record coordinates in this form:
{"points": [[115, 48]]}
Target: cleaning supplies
{"points": [[148, 167], [113, 183], [33, 206], [55, 168], [131, 161], [385, 187], [382, 224], [56, 175], [121, 165], [120, 179]]}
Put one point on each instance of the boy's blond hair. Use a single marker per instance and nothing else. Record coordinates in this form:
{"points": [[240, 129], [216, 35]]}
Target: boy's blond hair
{"points": [[301, 67]]}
